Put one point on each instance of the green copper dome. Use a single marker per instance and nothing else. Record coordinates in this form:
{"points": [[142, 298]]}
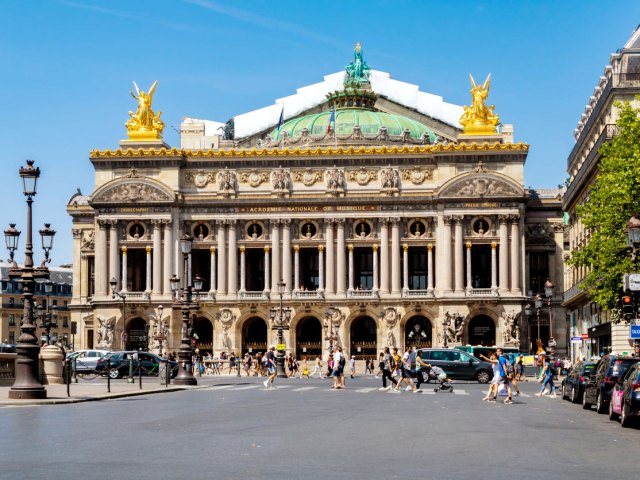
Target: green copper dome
{"points": [[369, 121]]}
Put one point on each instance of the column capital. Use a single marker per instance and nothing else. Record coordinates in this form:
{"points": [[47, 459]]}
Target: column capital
{"points": [[156, 222], [350, 247], [405, 247], [458, 219], [395, 221], [468, 245], [167, 222], [558, 227], [514, 217], [374, 247], [296, 248], [321, 248], [286, 222], [267, 249], [430, 248], [494, 245], [212, 249], [123, 249], [232, 222], [384, 221], [340, 221], [503, 218], [275, 221], [447, 219], [112, 221], [102, 223], [241, 248], [221, 223], [148, 249]]}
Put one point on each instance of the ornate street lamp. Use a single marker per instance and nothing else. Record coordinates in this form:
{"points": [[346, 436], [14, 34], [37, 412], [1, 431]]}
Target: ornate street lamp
{"points": [[537, 301], [113, 283], [548, 292], [186, 304], [280, 319], [160, 330], [27, 384]]}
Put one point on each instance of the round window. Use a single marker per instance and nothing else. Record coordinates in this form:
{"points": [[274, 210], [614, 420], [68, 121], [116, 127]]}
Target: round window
{"points": [[481, 226], [136, 230], [255, 230], [417, 229], [363, 229], [308, 230], [201, 231]]}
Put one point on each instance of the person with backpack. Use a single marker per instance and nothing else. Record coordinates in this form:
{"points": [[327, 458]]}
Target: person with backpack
{"points": [[405, 372], [271, 367], [388, 365], [506, 374], [548, 373], [338, 369]]}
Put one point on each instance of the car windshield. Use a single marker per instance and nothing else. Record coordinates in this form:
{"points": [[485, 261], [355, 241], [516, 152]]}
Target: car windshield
{"points": [[589, 369], [620, 367]]}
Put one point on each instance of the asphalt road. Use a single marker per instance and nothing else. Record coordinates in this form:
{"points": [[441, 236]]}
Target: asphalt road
{"points": [[308, 431]]}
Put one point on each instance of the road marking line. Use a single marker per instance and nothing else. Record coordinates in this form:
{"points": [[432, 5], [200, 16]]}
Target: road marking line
{"points": [[303, 389], [247, 387], [460, 392], [365, 390], [221, 387], [281, 387]]}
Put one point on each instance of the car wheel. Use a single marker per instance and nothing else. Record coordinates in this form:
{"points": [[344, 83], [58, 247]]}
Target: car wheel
{"points": [[600, 404], [425, 377], [612, 415], [564, 391], [585, 404], [114, 373], [483, 376], [574, 396], [625, 418]]}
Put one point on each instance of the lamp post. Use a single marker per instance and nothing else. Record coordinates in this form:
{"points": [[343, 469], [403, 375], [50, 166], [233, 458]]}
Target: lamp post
{"points": [[632, 232], [48, 320], [186, 304], [27, 384], [280, 319], [160, 335], [113, 283], [548, 292]]}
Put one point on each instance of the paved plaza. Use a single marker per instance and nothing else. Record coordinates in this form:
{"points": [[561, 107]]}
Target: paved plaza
{"points": [[233, 428]]}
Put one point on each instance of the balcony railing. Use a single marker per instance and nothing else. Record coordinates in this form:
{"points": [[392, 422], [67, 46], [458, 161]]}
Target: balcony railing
{"points": [[363, 294], [572, 292], [307, 294], [482, 292], [254, 295], [417, 293]]}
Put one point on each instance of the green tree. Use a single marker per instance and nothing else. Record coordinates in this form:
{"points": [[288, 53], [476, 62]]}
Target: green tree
{"points": [[613, 199]]}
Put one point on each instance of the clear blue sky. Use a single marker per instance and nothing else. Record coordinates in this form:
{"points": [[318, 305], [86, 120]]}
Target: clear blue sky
{"points": [[67, 68]]}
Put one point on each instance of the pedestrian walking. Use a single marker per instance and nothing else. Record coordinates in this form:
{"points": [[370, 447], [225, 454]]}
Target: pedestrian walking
{"points": [[404, 365], [305, 368], [520, 368], [388, 364], [352, 366], [380, 365], [247, 364], [548, 372], [317, 368], [492, 394], [338, 371], [271, 367], [421, 368]]}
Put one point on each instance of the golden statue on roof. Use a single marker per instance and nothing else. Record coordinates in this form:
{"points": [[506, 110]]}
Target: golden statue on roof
{"points": [[478, 119], [144, 125]]}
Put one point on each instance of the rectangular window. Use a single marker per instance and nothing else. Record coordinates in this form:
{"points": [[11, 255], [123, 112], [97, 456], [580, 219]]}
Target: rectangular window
{"points": [[65, 322], [54, 303], [538, 271], [12, 320], [91, 274], [12, 338], [12, 300]]}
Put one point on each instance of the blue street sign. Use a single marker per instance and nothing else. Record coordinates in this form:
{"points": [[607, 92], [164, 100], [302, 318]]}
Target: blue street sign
{"points": [[634, 332]]}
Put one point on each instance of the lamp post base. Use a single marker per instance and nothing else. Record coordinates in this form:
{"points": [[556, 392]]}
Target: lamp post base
{"points": [[27, 385], [280, 365], [185, 375]]}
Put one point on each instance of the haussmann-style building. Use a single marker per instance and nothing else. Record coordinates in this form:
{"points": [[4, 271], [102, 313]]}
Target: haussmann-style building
{"points": [[391, 217]]}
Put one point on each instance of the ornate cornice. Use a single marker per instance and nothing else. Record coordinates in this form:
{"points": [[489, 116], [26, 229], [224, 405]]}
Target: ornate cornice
{"points": [[310, 151]]}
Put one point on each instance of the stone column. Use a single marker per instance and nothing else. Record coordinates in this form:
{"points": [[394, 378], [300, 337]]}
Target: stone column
{"points": [[350, 247], [167, 258], [330, 274], [384, 255], [296, 267], [504, 255], [232, 284], [494, 284], [222, 258], [124, 269], [341, 261], [275, 253], [147, 287], [267, 268], [157, 257], [469, 276], [114, 257], [78, 270], [286, 254], [242, 270], [321, 267], [405, 267], [212, 272], [100, 262], [515, 255], [446, 255], [395, 255], [430, 268], [457, 254], [375, 267]]}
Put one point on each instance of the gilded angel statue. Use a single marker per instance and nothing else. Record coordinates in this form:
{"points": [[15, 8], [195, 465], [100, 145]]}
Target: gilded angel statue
{"points": [[145, 120], [478, 118]]}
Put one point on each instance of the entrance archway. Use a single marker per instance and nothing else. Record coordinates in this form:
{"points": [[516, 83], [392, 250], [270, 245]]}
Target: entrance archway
{"points": [[363, 336], [137, 335], [309, 338], [254, 336], [482, 331], [203, 328], [417, 332]]}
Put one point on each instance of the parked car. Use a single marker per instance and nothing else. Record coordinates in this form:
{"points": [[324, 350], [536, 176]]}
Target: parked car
{"points": [[458, 364], [573, 383], [119, 364], [7, 348], [86, 360], [597, 388], [478, 350], [625, 397]]}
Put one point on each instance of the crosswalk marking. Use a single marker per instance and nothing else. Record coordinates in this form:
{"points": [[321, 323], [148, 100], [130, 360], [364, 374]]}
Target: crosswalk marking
{"points": [[460, 392], [247, 387], [303, 389], [221, 387], [365, 390]]}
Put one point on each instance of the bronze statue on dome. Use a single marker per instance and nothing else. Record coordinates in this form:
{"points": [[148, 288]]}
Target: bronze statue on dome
{"points": [[479, 119], [358, 71]]}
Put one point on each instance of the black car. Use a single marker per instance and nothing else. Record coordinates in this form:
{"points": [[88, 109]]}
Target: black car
{"points": [[573, 383], [597, 388], [119, 364], [625, 398], [457, 364]]}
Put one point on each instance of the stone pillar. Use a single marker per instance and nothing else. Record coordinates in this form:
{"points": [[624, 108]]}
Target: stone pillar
{"points": [[167, 259], [469, 273], [286, 255], [330, 287], [504, 255], [232, 284], [384, 255], [446, 255], [395, 256], [157, 257], [275, 254], [430, 268], [212, 272], [100, 261], [222, 258], [124, 269], [147, 287], [405, 267], [515, 255], [321, 267], [78, 271], [375, 267], [242, 270], [494, 284], [114, 257], [267, 269], [296, 267], [350, 247], [457, 254], [341, 261]]}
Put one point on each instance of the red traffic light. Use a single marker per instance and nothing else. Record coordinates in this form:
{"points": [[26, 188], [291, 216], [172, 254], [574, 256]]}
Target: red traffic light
{"points": [[627, 300]]}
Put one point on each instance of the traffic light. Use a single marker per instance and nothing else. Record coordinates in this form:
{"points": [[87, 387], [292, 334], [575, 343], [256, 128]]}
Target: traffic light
{"points": [[628, 307]]}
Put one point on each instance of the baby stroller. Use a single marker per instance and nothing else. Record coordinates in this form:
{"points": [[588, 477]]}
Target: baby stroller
{"points": [[438, 376]]}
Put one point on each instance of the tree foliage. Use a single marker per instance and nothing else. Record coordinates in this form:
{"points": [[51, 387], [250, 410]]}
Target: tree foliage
{"points": [[613, 199]]}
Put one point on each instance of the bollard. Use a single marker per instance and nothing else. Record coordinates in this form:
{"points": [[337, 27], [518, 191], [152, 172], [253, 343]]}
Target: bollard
{"points": [[140, 372], [130, 377], [167, 372], [108, 375], [67, 376], [75, 369], [238, 367]]}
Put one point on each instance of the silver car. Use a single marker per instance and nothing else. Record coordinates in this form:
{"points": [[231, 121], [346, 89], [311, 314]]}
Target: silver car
{"points": [[86, 360]]}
